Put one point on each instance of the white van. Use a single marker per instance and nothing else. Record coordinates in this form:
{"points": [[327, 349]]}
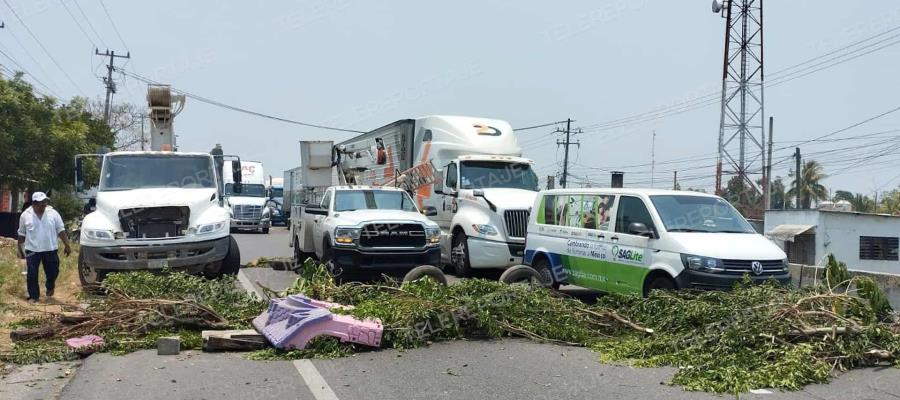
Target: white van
{"points": [[636, 240]]}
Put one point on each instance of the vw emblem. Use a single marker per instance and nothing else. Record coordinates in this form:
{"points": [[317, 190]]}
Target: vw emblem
{"points": [[756, 267]]}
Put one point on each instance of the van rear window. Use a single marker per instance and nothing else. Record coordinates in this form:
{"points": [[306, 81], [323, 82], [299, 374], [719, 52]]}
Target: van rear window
{"points": [[590, 211]]}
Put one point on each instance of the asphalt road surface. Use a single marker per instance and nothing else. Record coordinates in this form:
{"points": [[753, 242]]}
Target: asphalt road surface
{"points": [[459, 370]]}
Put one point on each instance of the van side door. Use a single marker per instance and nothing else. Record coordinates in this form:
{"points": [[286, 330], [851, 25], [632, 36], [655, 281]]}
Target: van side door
{"points": [[630, 249]]}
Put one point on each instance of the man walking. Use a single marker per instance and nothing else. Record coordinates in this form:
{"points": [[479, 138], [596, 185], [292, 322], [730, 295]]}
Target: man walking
{"points": [[39, 227]]}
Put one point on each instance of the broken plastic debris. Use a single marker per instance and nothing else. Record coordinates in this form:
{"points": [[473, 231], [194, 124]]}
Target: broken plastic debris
{"points": [[85, 345], [291, 322]]}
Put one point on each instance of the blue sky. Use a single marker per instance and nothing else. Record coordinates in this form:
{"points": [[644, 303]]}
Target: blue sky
{"points": [[360, 65]]}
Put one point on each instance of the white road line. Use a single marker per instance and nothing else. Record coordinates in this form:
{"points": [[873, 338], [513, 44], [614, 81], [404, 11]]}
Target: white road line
{"points": [[314, 380], [249, 286]]}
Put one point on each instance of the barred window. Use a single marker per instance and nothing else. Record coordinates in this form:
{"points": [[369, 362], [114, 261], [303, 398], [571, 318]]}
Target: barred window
{"points": [[879, 248]]}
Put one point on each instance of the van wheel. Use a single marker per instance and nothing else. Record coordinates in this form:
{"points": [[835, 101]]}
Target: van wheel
{"points": [[423, 271], [459, 255], [542, 266], [522, 275], [658, 282]]}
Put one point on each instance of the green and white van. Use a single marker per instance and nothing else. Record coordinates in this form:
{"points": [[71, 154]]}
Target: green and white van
{"points": [[636, 240]]}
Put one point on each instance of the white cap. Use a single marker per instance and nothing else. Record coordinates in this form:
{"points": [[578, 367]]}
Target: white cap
{"points": [[39, 196]]}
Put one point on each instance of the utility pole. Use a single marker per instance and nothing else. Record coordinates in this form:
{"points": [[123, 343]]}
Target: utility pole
{"points": [[564, 180], [108, 80], [675, 181], [653, 160], [797, 176], [767, 174], [550, 179]]}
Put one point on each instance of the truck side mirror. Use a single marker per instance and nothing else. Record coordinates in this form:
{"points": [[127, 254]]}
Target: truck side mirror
{"points": [[429, 211], [79, 174], [438, 183], [236, 171]]}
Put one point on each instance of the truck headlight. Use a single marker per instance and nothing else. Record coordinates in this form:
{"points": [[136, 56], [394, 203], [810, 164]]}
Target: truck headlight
{"points": [[99, 234], [210, 228], [346, 236], [703, 264], [433, 236], [485, 230]]}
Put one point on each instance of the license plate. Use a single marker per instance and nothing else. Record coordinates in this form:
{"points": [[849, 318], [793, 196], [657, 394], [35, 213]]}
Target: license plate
{"points": [[158, 264]]}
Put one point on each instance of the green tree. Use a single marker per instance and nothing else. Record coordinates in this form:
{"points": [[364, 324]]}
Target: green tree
{"points": [[777, 195], [862, 203], [810, 189], [743, 197], [890, 203], [40, 138], [842, 195]]}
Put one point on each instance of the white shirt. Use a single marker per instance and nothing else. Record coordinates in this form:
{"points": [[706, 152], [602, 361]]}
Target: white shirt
{"points": [[41, 233]]}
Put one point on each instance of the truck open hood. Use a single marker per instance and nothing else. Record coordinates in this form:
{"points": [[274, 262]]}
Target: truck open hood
{"points": [[729, 246], [510, 199], [360, 217], [154, 197]]}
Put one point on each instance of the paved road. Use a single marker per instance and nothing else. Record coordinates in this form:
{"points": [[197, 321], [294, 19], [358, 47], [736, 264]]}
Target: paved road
{"points": [[500, 370], [255, 245]]}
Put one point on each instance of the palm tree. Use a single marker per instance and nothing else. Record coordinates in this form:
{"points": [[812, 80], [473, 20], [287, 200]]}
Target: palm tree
{"points": [[810, 188], [862, 203]]}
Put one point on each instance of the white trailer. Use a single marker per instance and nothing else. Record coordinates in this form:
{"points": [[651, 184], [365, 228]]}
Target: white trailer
{"points": [[467, 171]]}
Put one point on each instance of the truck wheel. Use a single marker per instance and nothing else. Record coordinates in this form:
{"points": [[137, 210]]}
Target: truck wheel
{"points": [[423, 271], [231, 264], [299, 255], [542, 266], [90, 278], [265, 230], [459, 255]]}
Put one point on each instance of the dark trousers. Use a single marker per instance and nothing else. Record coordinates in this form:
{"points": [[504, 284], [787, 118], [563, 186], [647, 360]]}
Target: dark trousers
{"points": [[50, 259]]}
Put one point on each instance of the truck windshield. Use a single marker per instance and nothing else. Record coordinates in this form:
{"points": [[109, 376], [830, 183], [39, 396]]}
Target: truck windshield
{"points": [[277, 192], [492, 174], [137, 171], [699, 214], [247, 190], [352, 200]]}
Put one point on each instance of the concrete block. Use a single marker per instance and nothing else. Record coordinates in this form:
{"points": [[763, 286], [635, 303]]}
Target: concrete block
{"points": [[168, 346]]}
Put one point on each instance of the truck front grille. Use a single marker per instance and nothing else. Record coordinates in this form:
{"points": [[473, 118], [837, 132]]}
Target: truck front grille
{"points": [[154, 222], [392, 235], [246, 211], [516, 223]]}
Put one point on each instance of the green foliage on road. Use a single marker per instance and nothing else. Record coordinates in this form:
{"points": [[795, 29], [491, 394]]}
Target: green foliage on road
{"points": [[755, 336]]}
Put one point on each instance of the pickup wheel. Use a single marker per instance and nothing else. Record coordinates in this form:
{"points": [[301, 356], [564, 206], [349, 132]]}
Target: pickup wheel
{"points": [[90, 278], [300, 256], [459, 255]]}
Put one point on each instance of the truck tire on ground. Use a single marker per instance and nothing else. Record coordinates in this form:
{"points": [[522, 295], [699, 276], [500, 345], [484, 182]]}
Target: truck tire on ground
{"points": [[231, 264], [521, 274], [542, 266], [299, 255], [426, 271], [90, 278], [459, 255], [265, 230], [661, 282]]}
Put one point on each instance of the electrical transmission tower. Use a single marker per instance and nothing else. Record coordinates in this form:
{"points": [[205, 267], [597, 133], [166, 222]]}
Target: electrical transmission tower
{"points": [[741, 126]]}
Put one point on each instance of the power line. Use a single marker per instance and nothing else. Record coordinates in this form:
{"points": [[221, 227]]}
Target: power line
{"points": [[90, 25], [22, 69], [235, 108], [539, 126], [47, 52], [78, 24], [30, 57], [113, 23]]}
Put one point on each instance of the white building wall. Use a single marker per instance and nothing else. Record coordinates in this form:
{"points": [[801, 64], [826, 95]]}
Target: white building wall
{"points": [[841, 233], [838, 233]]}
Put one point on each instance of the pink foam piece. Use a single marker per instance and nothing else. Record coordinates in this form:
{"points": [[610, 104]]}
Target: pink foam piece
{"points": [[295, 320], [85, 344]]}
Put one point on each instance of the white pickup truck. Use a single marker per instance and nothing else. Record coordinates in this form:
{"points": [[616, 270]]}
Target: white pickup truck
{"points": [[359, 229]]}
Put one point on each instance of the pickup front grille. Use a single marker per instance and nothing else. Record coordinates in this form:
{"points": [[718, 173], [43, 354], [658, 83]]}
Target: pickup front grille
{"points": [[392, 235], [740, 267], [516, 223], [246, 211]]}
